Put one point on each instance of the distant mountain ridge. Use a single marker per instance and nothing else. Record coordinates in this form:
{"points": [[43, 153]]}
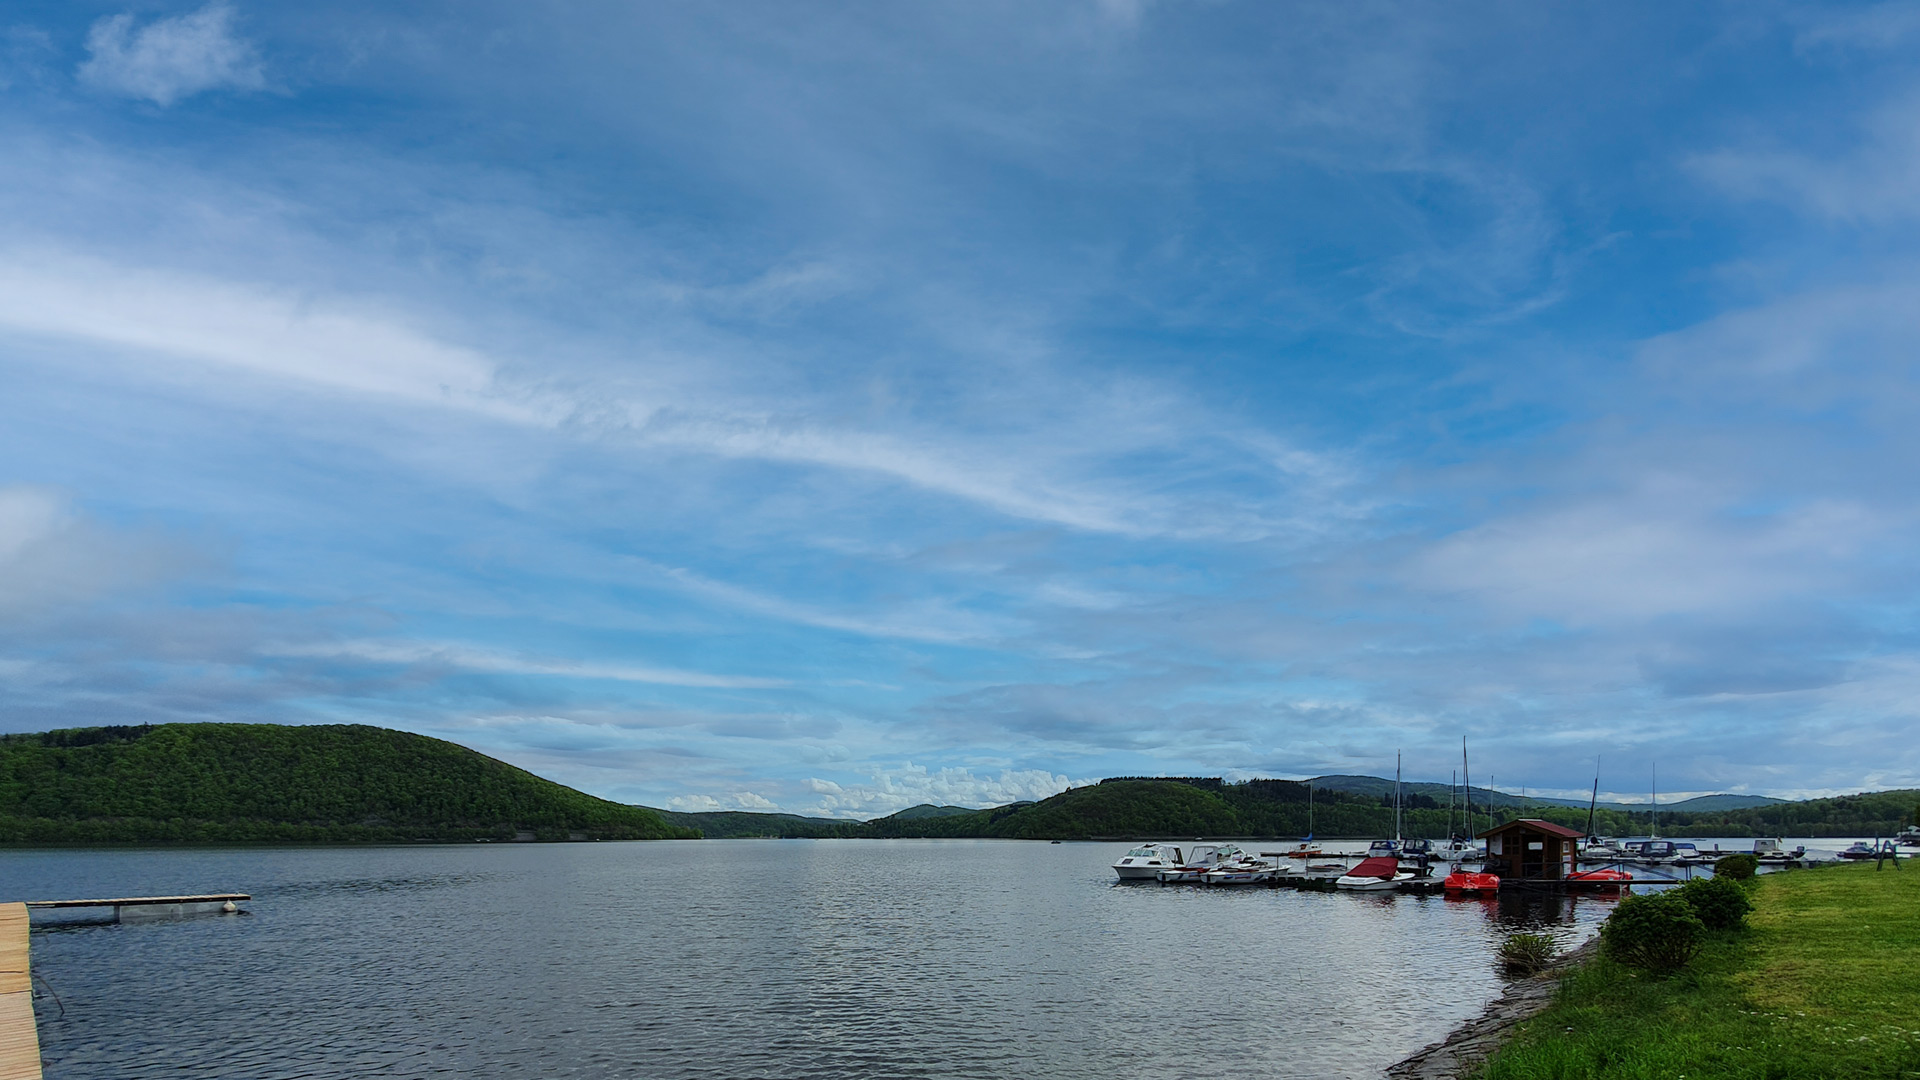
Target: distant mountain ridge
{"points": [[1376, 786]]}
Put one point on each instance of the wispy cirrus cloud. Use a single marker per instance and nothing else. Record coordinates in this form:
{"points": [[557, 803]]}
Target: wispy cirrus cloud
{"points": [[414, 653]]}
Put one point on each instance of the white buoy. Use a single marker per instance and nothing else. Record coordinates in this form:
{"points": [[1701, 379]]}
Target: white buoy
{"points": [[229, 907]]}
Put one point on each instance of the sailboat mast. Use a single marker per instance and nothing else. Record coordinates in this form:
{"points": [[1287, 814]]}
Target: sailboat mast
{"points": [[1656, 801], [1396, 795], [1453, 797], [1595, 804], [1466, 784]]}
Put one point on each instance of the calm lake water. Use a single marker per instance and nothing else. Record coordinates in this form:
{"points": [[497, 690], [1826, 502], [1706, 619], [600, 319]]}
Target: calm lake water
{"points": [[742, 958]]}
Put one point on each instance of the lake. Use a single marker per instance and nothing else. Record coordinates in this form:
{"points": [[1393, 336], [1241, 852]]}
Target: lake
{"points": [[745, 958]]}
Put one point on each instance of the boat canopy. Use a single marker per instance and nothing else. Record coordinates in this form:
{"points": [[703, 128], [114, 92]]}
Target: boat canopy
{"points": [[1380, 866]]}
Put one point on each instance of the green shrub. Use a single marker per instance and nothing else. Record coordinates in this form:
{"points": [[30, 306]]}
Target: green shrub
{"points": [[1657, 931], [1525, 954], [1721, 902], [1737, 867]]}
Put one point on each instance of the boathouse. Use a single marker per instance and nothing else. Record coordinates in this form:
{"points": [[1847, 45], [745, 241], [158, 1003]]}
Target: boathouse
{"points": [[1528, 849]]}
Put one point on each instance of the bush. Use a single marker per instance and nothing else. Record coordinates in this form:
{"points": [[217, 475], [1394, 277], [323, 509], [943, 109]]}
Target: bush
{"points": [[1656, 931], [1526, 953], [1737, 867], [1721, 902]]}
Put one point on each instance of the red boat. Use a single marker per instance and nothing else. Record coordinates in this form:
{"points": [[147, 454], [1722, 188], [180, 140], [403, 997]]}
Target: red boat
{"points": [[1462, 881], [1602, 878]]}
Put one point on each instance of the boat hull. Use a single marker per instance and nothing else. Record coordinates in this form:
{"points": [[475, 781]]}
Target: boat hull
{"points": [[1371, 884]]}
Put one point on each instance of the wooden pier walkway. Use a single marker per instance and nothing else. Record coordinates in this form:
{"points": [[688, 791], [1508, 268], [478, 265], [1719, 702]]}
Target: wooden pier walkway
{"points": [[19, 1041]]}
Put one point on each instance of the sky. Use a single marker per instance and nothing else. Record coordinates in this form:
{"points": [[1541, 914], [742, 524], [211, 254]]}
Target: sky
{"points": [[832, 408]]}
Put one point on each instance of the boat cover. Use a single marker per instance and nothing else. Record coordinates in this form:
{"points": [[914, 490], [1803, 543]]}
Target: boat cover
{"points": [[1381, 866]]}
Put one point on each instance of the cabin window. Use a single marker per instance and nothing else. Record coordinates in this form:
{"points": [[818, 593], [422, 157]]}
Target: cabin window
{"points": [[1493, 846]]}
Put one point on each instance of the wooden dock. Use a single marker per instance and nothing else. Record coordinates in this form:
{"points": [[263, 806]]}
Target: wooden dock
{"points": [[19, 1040]]}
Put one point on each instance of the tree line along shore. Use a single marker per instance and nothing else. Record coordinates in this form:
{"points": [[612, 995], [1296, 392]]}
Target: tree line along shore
{"points": [[345, 783]]}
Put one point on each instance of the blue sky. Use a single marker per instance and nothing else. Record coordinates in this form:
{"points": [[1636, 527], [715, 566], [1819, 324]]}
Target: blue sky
{"points": [[833, 408]]}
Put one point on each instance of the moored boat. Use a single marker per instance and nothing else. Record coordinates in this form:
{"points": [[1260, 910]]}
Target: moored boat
{"points": [[1466, 882], [1860, 849], [1685, 854], [1458, 850], [1200, 859], [1145, 862], [1244, 870], [1771, 851], [1374, 873], [1605, 877]]}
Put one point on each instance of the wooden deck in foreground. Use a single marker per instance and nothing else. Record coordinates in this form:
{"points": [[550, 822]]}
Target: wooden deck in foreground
{"points": [[19, 1041]]}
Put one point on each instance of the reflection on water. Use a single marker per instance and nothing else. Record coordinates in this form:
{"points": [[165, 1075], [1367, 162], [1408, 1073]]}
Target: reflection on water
{"points": [[791, 959]]}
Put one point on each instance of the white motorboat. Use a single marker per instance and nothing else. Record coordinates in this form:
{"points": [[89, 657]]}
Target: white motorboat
{"points": [[1200, 859], [1772, 851], [1458, 850], [1145, 862], [1241, 871], [1685, 854], [1601, 849], [1378, 873]]}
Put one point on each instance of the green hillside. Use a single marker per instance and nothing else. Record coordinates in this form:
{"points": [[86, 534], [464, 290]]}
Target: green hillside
{"points": [[927, 810], [1426, 794], [743, 824], [1275, 809], [202, 783]]}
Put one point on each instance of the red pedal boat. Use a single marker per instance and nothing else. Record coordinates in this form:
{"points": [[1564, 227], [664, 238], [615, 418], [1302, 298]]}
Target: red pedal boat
{"points": [[1600, 878], [1462, 881]]}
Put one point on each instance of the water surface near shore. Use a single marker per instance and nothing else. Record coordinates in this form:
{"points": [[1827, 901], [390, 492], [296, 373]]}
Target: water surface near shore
{"points": [[738, 958]]}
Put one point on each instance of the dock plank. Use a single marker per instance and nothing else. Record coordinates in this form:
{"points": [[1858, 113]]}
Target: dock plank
{"points": [[19, 1039]]}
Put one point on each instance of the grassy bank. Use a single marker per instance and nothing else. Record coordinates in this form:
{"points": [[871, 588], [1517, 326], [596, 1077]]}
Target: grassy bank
{"points": [[1825, 982]]}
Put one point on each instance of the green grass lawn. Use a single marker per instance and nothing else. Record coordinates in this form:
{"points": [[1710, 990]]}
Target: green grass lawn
{"points": [[1824, 983]]}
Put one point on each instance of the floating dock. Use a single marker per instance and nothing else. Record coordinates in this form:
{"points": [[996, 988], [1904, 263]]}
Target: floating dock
{"points": [[19, 1038], [19, 1041], [151, 907]]}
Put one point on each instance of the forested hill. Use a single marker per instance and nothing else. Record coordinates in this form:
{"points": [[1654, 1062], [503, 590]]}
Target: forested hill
{"points": [[1200, 806], [271, 782]]}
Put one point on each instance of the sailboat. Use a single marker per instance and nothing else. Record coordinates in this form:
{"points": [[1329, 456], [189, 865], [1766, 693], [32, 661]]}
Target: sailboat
{"points": [[1463, 881], [1306, 848], [1390, 848]]}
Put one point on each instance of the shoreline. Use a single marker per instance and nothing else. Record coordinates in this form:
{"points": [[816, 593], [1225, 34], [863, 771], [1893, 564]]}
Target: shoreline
{"points": [[1469, 1045]]}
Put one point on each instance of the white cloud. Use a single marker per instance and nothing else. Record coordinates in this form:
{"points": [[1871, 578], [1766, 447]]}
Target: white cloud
{"points": [[1642, 555], [52, 557], [471, 658], [170, 59], [275, 334], [911, 785], [1871, 182]]}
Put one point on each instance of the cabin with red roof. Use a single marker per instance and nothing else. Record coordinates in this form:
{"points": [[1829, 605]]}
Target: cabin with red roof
{"points": [[1529, 849]]}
